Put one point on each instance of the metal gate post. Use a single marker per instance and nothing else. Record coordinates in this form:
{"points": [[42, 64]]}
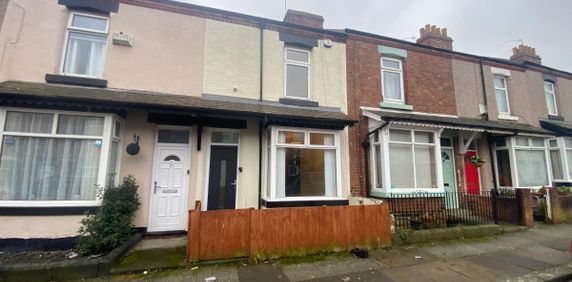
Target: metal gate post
{"points": [[494, 204]]}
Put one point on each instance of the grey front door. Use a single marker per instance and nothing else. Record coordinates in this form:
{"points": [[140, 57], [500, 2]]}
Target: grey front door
{"points": [[222, 178]]}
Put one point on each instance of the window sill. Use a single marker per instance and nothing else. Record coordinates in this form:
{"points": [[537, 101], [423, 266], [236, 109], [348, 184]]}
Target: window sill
{"points": [[394, 105], [556, 117], [286, 202], [298, 102], [385, 194], [76, 80], [507, 117], [48, 210]]}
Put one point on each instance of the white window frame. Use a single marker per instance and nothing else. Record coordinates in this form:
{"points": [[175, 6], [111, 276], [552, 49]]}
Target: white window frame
{"points": [[512, 148], [300, 64], [70, 28], [386, 178], [274, 131], [505, 89], [106, 138], [562, 151], [551, 93], [393, 70]]}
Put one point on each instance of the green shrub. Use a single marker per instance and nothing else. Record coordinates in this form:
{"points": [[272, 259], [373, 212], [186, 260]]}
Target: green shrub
{"points": [[563, 189], [112, 225]]}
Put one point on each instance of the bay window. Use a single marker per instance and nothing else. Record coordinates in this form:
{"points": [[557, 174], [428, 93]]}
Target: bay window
{"points": [[304, 164], [522, 161], [86, 44], [561, 159], [51, 158], [405, 159]]}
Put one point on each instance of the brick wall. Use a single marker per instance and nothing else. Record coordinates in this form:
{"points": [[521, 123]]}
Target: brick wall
{"points": [[428, 85]]}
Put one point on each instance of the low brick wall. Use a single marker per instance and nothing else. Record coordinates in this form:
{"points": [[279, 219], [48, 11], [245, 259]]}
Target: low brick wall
{"points": [[561, 206]]}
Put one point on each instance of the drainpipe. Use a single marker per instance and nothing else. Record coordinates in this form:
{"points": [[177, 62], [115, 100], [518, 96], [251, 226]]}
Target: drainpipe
{"points": [[262, 122], [490, 139]]}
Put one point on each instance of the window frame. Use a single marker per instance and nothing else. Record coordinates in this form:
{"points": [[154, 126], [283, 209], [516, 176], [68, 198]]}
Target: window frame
{"points": [[551, 93], [505, 89], [70, 28], [299, 64], [392, 70], [106, 139], [385, 159], [274, 145]]}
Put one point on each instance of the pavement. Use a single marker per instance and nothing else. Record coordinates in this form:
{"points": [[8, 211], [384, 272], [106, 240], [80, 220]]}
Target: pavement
{"points": [[539, 254]]}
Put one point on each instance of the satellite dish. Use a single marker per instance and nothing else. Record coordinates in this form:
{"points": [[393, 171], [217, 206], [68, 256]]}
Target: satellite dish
{"points": [[328, 43]]}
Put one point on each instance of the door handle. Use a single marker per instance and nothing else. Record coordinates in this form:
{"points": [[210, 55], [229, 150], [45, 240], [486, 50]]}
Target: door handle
{"points": [[155, 188], [233, 183]]}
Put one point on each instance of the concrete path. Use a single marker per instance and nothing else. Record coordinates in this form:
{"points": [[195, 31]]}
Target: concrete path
{"points": [[539, 254]]}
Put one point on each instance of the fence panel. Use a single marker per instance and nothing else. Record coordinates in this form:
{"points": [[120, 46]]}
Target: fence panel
{"points": [[286, 231]]}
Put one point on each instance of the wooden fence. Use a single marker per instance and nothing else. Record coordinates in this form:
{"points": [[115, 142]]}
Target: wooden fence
{"points": [[265, 233]]}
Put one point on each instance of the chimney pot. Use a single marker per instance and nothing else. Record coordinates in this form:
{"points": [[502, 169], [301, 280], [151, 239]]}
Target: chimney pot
{"points": [[304, 18], [523, 53], [434, 36]]}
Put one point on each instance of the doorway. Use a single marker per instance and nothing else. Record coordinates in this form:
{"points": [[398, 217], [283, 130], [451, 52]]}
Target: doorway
{"points": [[222, 168]]}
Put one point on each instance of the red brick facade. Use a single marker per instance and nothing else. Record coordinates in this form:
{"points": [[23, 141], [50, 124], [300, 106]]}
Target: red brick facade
{"points": [[428, 87]]}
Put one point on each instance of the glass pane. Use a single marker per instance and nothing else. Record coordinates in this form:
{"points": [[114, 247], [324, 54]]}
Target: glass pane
{"points": [[33, 168], [500, 82], [80, 125], [399, 135], [378, 166], [521, 141], [322, 139], [537, 142], [531, 166], [173, 136], [225, 137], [446, 142], [29, 122], [502, 103], [296, 81], [117, 131], [391, 64], [553, 143], [551, 104], [85, 54], [299, 56], [548, 86], [500, 142], [569, 160], [290, 137], [424, 137], [401, 166], [305, 172], [568, 142], [425, 171], [89, 23], [392, 85], [112, 169], [172, 158], [503, 162], [556, 164]]}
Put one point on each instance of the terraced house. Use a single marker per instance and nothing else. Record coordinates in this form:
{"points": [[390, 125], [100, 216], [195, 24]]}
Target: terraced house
{"points": [[433, 120], [197, 103]]}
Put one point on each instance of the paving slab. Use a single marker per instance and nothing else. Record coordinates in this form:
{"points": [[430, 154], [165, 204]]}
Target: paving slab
{"points": [[261, 272], [456, 250], [562, 244], [544, 254], [403, 256], [328, 267], [430, 271], [161, 242], [367, 276], [473, 270], [503, 269], [512, 257]]}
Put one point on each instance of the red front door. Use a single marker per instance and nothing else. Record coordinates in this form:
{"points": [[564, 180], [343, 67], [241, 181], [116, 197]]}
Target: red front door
{"points": [[471, 175]]}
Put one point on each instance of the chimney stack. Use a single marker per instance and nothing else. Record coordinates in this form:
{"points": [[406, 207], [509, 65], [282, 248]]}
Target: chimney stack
{"points": [[433, 36], [305, 19], [524, 53]]}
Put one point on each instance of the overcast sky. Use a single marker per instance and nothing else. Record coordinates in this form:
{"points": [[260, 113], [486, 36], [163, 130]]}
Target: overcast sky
{"points": [[485, 27]]}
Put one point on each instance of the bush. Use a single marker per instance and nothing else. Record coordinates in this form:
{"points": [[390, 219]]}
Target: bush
{"points": [[112, 225], [563, 190]]}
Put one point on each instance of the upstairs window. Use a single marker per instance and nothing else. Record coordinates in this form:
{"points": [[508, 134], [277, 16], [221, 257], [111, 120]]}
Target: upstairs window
{"points": [[392, 80], [86, 44], [297, 73], [550, 96], [501, 94]]}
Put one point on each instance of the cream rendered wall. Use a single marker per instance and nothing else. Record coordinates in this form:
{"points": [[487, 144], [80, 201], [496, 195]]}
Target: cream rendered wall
{"points": [[167, 54], [25, 227], [468, 89]]}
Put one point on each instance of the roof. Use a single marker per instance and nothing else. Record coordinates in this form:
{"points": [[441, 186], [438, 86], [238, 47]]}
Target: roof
{"points": [[460, 123], [559, 127], [131, 99]]}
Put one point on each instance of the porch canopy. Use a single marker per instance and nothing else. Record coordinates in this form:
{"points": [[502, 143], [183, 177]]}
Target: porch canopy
{"points": [[558, 127], [382, 118], [207, 110]]}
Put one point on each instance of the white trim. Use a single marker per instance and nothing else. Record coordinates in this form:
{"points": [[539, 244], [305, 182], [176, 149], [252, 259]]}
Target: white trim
{"points": [[187, 167], [70, 28], [507, 117], [499, 71], [505, 90], [211, 144], [371, 109], [399, 71], [300, 64], [551, 93]]}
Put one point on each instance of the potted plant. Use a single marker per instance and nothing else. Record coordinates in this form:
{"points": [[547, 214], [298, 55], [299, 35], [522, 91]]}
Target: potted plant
{"points": [[476, 161]]}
